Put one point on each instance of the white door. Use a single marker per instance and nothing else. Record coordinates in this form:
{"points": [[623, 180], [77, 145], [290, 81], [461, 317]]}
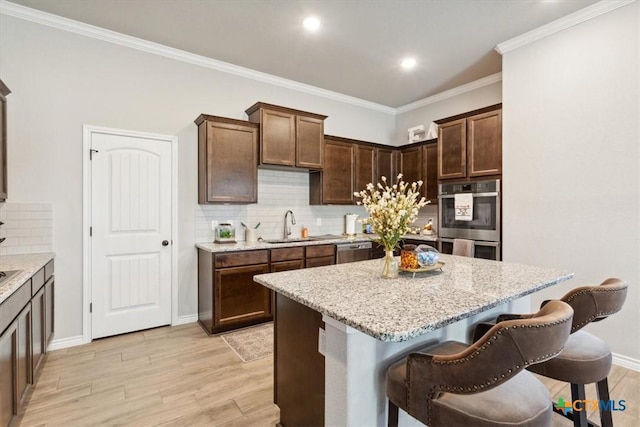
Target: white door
{"points": [[131, 233]]}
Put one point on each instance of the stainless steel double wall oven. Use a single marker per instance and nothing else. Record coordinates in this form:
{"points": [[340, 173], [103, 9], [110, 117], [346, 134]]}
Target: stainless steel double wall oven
{"points": [[485, 226]]}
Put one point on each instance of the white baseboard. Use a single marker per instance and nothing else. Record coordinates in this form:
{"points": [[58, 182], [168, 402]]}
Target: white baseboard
{"points": [[183, 320], [66, 342], [626, 362]]}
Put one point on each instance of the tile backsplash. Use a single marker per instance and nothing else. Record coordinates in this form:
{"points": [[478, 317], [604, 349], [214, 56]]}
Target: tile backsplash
{"points": [[28, 228], [279, 191]]}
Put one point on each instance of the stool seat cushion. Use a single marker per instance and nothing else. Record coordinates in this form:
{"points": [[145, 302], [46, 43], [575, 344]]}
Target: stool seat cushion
{"points": [[585, 359], [522, 401]]}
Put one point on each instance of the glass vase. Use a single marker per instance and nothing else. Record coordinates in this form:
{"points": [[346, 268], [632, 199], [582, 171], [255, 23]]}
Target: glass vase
{"points": [[389, 265]]}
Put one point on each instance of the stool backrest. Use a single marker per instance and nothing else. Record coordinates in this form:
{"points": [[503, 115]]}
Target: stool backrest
{"points": [[506, 349], [594, 303]]}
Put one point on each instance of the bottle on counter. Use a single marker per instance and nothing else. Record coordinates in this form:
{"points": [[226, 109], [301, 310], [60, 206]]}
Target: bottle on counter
{"points": [[305, 231]]}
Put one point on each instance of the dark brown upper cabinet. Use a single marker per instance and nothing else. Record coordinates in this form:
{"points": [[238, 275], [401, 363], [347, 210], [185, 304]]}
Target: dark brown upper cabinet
{"points": [[227, 160], [335, 184], [4, 91], [411, 163], [289, 137], [365, 167], [470, 144], [420, 162], [484, 144], [386, 164], [430, 172]]}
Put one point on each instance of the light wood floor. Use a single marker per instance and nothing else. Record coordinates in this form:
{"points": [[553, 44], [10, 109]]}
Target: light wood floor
{"points": [[179, 376], [176, 376]]}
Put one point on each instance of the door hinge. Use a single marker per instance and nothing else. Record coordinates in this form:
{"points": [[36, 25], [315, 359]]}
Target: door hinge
{"points": [[90, 307], [91, 151], [90, 231]]}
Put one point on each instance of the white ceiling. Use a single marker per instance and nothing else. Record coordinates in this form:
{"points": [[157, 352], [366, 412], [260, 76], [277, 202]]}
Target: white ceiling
{"points": [[358, 50]]}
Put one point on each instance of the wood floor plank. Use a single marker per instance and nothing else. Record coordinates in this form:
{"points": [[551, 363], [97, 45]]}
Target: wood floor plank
{"points": [[180, 376]]}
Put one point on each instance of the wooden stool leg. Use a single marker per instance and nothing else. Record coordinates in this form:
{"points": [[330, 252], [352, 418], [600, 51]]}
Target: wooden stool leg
{"points": [[579, 417], [393, 415], [603, 394]]}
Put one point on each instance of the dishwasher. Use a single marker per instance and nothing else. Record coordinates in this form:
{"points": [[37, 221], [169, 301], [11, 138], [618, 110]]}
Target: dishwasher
{"points": [[352, 252]]}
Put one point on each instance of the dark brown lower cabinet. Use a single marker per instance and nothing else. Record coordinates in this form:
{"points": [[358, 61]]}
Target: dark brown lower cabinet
{"points": [[37, 329], [15, 366], [298, 366], [26, 327], [228, 298], [8, 344]]}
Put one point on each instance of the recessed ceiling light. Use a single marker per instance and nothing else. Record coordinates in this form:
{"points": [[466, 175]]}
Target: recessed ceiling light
{"points": [[311, 23], [408, 63]]}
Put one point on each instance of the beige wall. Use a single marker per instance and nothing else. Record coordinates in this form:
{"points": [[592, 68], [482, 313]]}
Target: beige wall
{"points": [[61, 81], [571, 139]]}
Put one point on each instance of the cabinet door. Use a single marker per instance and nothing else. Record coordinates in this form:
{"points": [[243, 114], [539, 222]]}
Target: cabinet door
{"points": [[365, 167], [384, 165], [337, 177], [48, 312], [23, 354], [411, 164], [320, 261], [452, 149], [430, 172], [8, 344], [277, 138], [484, 144], [309, 142], [228, 166], [38, 344], [238, 299]]}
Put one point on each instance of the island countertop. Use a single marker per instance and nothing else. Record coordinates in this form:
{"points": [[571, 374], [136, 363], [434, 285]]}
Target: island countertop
{"points": [[395, 310]]}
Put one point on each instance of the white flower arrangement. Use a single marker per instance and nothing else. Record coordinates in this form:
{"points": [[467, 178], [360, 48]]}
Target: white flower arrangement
{"points": [[392, 209]]}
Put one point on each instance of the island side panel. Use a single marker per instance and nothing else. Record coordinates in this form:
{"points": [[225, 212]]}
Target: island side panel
{"points": [[299, 372]]}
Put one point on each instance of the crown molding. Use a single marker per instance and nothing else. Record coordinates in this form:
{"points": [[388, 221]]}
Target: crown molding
{"points": [[561, 24], [65, 24], [476, 84]]}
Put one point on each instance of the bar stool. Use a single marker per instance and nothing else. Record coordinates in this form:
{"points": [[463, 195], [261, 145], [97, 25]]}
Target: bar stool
{"points": [[483, 384], [585, 359], [463, 247]]}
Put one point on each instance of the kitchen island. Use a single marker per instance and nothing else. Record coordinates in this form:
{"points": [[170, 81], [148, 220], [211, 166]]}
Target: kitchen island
{"points": [[369, 323]]}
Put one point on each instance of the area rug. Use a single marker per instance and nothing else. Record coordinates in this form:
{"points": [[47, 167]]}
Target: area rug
{"points": [[251, 343]]}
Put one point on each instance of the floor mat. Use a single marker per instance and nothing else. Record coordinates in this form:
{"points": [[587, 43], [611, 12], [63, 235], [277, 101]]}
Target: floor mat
{"points": [[251, 343]]}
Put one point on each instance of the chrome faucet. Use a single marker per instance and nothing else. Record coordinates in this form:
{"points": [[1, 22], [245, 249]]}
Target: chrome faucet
{"points": [[287, 229]]}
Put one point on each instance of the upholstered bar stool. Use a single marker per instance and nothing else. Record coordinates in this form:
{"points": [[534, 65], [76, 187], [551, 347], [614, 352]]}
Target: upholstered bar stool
{"points": [[463, 247], [483, 384], [585, 358]]}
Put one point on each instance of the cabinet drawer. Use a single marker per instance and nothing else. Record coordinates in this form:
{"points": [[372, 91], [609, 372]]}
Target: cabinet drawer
{"points": [[37, 281], [287, 254], [320, 251], [235, 259], [48, 270]]}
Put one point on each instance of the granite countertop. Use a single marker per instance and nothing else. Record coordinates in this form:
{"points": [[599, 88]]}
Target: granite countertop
{"points": [[248, 246], [28, 263], [399, 309]]}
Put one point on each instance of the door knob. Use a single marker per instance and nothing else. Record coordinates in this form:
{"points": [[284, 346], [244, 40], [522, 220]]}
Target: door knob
{"points": [[165, 243]]}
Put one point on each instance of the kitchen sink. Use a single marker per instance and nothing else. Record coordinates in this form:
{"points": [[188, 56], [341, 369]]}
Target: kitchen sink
{"points": [[294, 240]]}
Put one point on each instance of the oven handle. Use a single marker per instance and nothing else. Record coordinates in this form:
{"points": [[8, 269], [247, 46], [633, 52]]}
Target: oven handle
{"points": [[451, 196], [475, 242]]}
